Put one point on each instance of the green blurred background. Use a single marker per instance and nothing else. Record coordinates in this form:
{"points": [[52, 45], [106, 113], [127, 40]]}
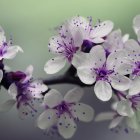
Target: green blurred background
{"points": [[31, 23]]}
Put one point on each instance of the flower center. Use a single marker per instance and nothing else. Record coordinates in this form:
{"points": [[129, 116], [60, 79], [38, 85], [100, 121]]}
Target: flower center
{"points": [[136, 70], [87, 45]]}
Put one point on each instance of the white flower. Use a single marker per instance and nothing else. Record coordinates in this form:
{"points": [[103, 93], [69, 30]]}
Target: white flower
{"points": [[104, 72], [7, 51], [115, 41], [83, 25], [23, 92], [63, 112]]}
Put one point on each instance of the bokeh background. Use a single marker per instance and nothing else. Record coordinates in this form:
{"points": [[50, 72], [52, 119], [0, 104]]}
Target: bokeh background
{"points": [[31, 23]]}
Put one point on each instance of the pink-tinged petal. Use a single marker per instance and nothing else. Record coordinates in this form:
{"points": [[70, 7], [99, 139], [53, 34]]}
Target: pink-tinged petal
{"points": [[11, 52], [55, 65], [13, 91], [102, 29], [83, 112], [52, 98], [103, 90], [36, 88], [66, 126], [98, 56], [1, 75], [104, 116], [120, 82], [74, 95], [86, 75], [124, 108], [135, 86], [47, 119], [115, 122], [5, 107]]}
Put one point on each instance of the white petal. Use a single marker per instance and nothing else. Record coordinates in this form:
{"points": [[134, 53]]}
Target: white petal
{"points": [[120, 82], [115, 122], [36, 88], [13, 90], [28, 72], [53, 98], [1, 75], [98, 40], [66, 126], [74, 95], [124, 108], [103, 90], [78, 39], [47, 119], [102, 29], [136, 23], [135, 86], [83, 112], [125, 38], [104, 116], [86, 75], [54, 65], [7, 105], [11, 52], [98, 56]]}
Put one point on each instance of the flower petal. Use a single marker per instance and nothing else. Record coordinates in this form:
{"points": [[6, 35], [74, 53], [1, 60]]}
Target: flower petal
{"points": [[66, 126], [1, 75], [86, 75], [83, 112], [54, 65], [5, 107], [115, 122], [12, 51], [102, 29], [13, 91], [120, 82], [104, 116], [47, 119], [124, 108], [74, 95], [52, 98], [103, 90], [36, 88], [135, 86], [136, 23]]}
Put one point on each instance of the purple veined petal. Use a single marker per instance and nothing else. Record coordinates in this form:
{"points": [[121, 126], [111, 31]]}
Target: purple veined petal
{"points": [[55, 65], [86, 75], [11, 52], [74, 95], [29, 73], [13, 90], [66, 126], [98, 56], [136, 23], [52, 98], [115, 122], [105, 116], [120, 82], [54, 44], [135, 86], [36, 88], [47, 119], [103, 90], [133, 50], [5, 107], [1, 75], [102, 29], [124, 108], [82, 112]]}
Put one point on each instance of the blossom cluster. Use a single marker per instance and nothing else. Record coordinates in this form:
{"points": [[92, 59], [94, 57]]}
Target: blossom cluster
{"points": [[101, 57]]}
